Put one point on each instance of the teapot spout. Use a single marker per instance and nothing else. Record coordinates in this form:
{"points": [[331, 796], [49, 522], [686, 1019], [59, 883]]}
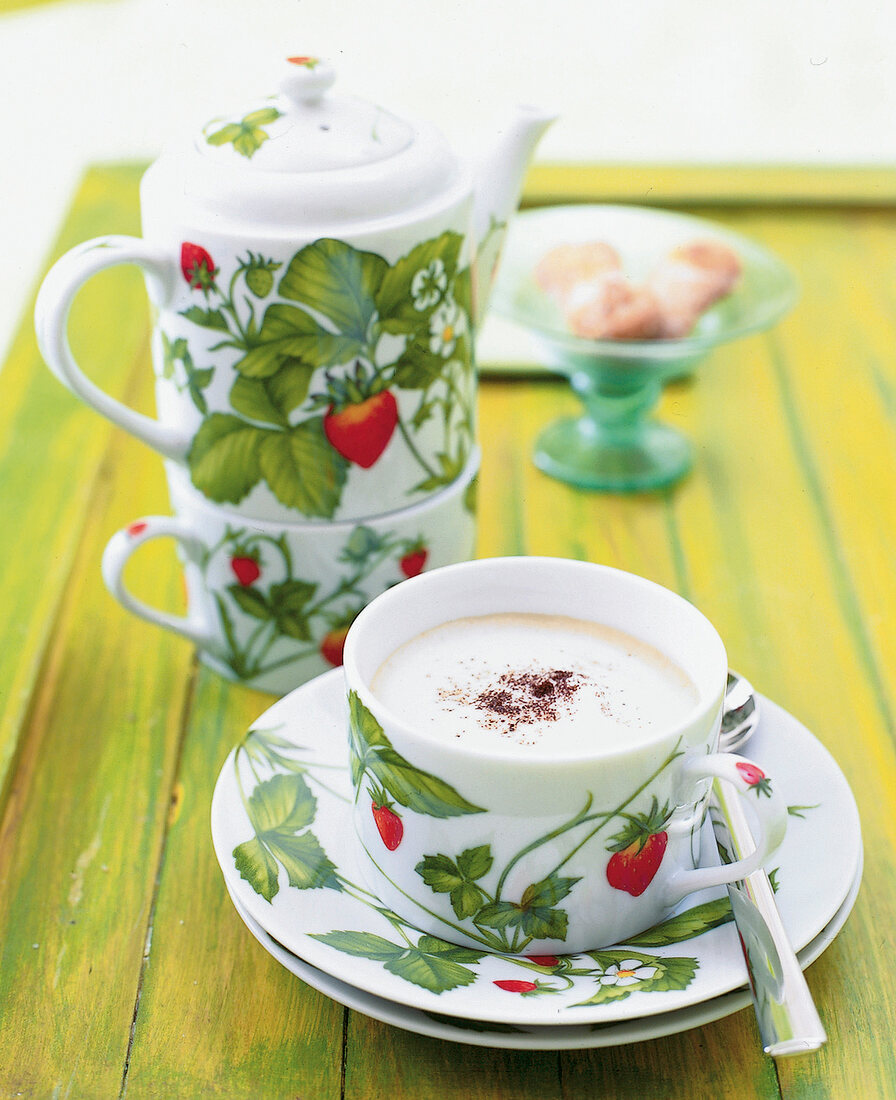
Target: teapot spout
{"points": [[499, 181]]}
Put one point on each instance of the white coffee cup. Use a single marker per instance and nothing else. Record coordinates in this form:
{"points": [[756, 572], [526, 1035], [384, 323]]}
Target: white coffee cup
{"points": [[269, 604], [558, 850]]}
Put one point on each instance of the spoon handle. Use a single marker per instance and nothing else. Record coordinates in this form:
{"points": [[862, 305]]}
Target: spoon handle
{"points": [[788, 1020]]}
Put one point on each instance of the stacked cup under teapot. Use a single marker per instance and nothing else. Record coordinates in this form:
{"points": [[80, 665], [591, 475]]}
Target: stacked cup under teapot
{"points": [[311, 261]]}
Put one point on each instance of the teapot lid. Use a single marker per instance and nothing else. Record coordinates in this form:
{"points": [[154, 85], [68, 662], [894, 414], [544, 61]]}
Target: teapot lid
{"points": [[308, 158]]}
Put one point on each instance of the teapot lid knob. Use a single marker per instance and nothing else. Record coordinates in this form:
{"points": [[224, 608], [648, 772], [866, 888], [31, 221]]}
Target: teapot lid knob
{"points": [[307, 79]]}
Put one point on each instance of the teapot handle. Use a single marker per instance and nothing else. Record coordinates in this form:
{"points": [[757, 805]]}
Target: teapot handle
{"points": [[54, 301]]}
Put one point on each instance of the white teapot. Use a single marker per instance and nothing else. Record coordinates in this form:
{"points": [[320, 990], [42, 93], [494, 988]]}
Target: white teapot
{"points": [[317, 267]]}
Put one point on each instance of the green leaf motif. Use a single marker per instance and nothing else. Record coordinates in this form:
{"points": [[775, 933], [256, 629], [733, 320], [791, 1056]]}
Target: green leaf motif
{"points": [[685, 926], [289, 600], [443, 876], [262, 116], [337, 281], [271, 400], [266, 746], [207, 318], [463, 291], [466, 900], [288, 388], [432, 972], [432, 945], [416, 789], [281, 803], [364, 732], [307, 865], [436, 971], [251, 398], [173, 351], [450, 470], [399, 311], [536, 922], [500, 914], [362, 543], [661, 974], [197, 381], [290, 333], [258, 867], [476, 862], [548, 892], [371, 751], [234, 658], [417, 368], [302, 469], [251, 601], [471, 496], [363, 945], [279, 809], [223, 457], [246, 136], [535, 914]]}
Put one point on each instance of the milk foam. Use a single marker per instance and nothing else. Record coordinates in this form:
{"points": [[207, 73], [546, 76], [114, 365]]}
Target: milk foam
{"points": [[530, 683]]}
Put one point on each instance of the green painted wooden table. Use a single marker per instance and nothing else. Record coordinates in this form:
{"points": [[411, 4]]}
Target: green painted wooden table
{"points": [[124, 969]]}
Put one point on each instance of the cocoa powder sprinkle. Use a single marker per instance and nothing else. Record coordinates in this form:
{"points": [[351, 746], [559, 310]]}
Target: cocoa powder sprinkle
{"points": [[527, 697]]}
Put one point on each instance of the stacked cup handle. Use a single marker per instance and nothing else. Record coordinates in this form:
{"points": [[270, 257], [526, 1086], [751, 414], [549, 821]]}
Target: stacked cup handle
{"points": [[122, 546], [51, 320]]}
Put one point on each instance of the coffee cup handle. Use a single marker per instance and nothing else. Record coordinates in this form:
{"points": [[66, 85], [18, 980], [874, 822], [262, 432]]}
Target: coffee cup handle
{"points": [[754, 786], [122, 546], [51, 312]]}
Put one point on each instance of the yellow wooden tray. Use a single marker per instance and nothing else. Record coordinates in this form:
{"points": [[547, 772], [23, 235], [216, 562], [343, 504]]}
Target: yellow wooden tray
{"points": [[125, 970]]}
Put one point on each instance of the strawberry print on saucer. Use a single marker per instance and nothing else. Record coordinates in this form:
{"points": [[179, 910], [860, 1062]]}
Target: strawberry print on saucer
{"points": [[278, 826]]}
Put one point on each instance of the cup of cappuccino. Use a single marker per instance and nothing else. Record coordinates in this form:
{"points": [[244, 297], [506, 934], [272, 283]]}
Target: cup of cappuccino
{"points": [[532, 742]]}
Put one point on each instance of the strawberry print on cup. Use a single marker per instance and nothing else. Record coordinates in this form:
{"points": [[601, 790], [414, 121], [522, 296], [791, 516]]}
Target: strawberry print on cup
{"points": [[271, 604], [311, 262]]}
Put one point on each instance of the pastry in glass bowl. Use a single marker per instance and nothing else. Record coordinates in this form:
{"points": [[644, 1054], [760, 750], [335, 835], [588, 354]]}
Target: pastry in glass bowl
{"points": [[601, 301]]}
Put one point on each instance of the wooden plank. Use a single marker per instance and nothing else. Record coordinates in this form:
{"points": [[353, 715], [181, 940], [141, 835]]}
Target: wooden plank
{"points": [[217, 1015], [783, 535], [784, 563], [51, 445], [525, 512], [716, 184], [84, 824]]}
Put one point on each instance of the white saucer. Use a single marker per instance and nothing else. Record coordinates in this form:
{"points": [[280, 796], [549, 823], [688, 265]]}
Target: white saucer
{"points": [[520, 1037], [299, 746]]}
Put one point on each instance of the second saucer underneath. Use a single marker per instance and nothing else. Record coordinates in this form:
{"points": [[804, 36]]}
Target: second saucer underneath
{"points": [[306, 891]]}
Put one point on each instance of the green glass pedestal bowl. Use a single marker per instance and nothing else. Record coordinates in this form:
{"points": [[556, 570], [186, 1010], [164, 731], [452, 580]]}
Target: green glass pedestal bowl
{"points": [[614, 445]]}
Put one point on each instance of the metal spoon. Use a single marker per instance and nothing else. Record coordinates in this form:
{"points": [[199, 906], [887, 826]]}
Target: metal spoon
{"points": [[788, 1020]]}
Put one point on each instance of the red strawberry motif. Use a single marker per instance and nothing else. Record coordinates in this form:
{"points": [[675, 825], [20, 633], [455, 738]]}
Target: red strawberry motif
{"points": [[754, 777], [544, 960], [633, 868], [361, 432], [388, 824], [638, 851], [750, 772], [414, 561], [515, 985], [246, 569], [332, 645], [197, 266]]}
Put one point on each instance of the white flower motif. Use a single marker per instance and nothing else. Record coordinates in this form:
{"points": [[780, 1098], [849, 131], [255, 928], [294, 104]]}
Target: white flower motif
{"points": [[429, 285], [446, 325], [628, 972]]}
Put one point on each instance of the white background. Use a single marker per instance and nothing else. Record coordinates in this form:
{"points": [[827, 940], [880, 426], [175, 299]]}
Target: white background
{"points": [[801, 81]]}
